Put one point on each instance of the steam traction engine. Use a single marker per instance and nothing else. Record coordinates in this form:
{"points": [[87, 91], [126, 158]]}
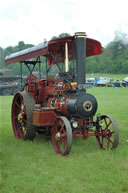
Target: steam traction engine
{"points": [[59, 105]]}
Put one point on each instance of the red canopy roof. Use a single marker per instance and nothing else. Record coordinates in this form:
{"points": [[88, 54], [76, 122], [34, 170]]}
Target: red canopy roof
{"points": [[93, 47]]}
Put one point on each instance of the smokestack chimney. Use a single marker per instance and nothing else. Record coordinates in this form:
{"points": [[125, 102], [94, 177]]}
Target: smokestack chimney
{"points": [[80, 50]]}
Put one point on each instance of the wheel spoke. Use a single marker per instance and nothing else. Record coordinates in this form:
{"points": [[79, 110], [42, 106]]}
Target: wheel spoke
{"points": [[63, 136], [108, 144], [21, 98], [108, 125], [109, 139], [62, 128], [24, 120], [24, 129], [19, 130], [19, 106], [99, 141], [65, 145]]}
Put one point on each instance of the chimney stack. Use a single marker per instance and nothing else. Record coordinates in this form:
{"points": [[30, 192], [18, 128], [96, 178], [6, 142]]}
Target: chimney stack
{"points": [[80, 50]]}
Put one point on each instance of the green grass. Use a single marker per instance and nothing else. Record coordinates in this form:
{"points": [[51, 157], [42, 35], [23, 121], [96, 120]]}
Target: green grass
{"points": [[28, 167]]}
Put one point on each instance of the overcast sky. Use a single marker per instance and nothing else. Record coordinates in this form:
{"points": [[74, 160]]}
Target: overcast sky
{"points": [[32, 21]]}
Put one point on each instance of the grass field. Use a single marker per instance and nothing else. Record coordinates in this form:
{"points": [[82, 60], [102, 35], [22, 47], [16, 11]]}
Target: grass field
{"points": [[28, 167]]}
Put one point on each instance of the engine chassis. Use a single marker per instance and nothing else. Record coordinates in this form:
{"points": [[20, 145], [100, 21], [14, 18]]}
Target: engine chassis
{"points": [[52, 118]]}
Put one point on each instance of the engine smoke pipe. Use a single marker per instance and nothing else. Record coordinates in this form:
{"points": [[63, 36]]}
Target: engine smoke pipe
{"points": [[80, 50]]}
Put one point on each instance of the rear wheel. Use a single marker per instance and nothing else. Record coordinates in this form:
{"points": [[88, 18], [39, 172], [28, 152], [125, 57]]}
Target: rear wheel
{"points": [[108, 131], [22, 106], [62, 136]]}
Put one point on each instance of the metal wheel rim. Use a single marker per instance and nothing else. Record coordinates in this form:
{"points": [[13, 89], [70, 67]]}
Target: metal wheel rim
{"points": [[62, 136]]}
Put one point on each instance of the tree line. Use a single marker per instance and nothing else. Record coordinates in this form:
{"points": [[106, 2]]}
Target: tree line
{"points": [[114, 57]]}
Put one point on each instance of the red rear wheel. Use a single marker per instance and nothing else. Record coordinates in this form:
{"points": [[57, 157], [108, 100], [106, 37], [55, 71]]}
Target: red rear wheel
{"points": [[109, 135], [22, 106], [62, 136]]}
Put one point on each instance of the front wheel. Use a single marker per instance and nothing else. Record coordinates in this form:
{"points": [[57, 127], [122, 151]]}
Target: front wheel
{"points": [[107, 133], [62, 136]]}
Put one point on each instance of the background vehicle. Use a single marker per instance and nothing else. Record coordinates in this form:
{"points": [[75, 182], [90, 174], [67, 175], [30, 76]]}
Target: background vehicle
{"points": [[9, 84], [58, 104]]}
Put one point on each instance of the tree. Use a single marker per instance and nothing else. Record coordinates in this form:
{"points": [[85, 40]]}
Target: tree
{"points": [[61, 35]]}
